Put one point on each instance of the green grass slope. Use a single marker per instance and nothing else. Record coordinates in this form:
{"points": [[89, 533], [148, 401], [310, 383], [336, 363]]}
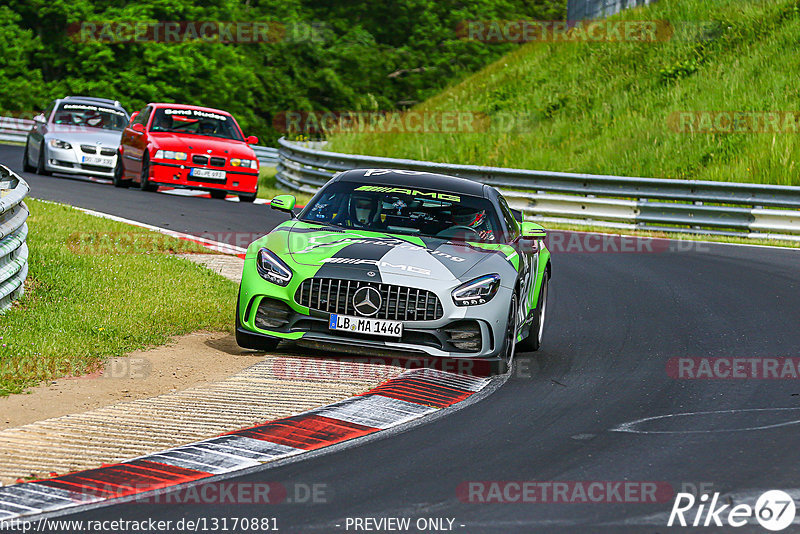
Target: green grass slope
{"points": [[605, 107]]}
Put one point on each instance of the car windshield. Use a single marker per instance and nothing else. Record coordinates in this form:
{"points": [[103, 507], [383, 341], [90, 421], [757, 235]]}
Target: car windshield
{"points": [[196, 122], [404, 210], [91, 116]]}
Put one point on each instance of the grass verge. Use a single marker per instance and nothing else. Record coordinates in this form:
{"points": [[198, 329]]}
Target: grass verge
{"points": [[98, 289], [610, 107]]}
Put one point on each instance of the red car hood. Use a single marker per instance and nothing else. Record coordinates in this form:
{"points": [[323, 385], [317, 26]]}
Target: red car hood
{"points": [[199, 143]]}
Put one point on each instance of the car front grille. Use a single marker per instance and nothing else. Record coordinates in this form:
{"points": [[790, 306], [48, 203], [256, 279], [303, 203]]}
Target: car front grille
{"points": [[398, 303], [89, 149], [200, 160], [217, 162], [106, 151]]}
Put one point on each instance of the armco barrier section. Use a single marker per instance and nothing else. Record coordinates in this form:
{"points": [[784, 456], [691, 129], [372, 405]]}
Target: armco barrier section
{"points": [[13, 232], [685, 206]]}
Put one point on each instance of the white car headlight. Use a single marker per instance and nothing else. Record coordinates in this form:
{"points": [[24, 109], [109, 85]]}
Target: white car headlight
{"points": [[272, 268], [478, 291], [170, 154], [58, 143]]}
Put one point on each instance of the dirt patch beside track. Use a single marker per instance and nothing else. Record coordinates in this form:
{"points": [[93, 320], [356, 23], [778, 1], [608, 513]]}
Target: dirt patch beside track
{"points": [[191, 360]]}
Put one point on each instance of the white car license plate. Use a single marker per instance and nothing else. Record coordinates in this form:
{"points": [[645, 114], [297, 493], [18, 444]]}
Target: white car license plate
{"points": [[207, 173], [97, 160], [365, 325]]}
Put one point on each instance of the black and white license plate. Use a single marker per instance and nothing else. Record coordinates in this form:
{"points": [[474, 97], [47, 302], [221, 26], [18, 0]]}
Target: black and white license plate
{"points": [[98, 160], [207, 173], [365, 325]]}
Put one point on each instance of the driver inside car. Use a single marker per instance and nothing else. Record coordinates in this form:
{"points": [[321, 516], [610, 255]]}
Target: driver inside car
{"points": [[364, 210], [475, 220], [207, 128]]}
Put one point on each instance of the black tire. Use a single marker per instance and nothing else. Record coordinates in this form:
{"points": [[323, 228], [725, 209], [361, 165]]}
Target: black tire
{"points": [[218, 194], [510, 340], [41, 170], [145, 184], [26, 166], [118, 181], [534, 339], [247, 197], [252, 341]]}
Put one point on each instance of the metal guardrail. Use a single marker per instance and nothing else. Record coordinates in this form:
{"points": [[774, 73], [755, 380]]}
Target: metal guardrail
{"points": [[266, 155], [16, 130], [595, 9], [13, 129], [686, 206], [13, 232]]}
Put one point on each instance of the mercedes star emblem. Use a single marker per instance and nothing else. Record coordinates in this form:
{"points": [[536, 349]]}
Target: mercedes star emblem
{"points": [[367, 301]]}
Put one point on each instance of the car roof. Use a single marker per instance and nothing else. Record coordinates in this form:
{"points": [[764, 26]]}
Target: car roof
{"points": [[187, 106], [93, 100], [428, 180]]}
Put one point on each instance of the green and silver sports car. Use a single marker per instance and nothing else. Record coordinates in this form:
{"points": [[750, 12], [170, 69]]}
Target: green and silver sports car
{"points": [[396, 262]]}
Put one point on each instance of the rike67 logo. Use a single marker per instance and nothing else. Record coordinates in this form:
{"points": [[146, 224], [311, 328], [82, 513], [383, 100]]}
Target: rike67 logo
{"points": [[774, 510]]}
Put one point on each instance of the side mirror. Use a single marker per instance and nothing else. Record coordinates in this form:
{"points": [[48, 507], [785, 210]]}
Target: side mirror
{"points": [[251, 140], [533, 231], [283, 203], [135, 114], [138, 127], [40, 118]]}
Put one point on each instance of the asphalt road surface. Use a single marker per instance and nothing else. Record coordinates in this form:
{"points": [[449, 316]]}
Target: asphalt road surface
{"points": [[615, 322]]}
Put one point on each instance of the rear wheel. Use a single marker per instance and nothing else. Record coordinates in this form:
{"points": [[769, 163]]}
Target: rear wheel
{"points": [[535, 334], [26, 165], [145, 184], [219, 195], [41, 169], [118, 181]]}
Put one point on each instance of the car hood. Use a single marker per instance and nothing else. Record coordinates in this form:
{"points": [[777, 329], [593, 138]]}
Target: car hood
{"points": [[199, 143], [338, 253], [87, 136]]}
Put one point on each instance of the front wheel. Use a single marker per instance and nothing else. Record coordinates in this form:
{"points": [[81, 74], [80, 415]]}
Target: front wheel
{"points": [[26, 164], [535, 334], [510, 340], [245, 197], [218, 194], [145, 184], [118, 173], [41, 169], [252, 341]]}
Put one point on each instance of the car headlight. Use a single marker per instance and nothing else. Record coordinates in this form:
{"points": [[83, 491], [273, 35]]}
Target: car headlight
{"points": [[170, 154], [272, 268], [246, 163], [58, 143], [478, 291]]}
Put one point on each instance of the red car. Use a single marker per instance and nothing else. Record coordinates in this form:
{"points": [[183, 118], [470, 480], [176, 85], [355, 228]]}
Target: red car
{"points": [[190, 147]]}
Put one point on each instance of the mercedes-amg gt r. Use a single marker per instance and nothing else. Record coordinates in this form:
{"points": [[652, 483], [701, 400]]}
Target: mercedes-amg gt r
{"points": [[396, 262]]}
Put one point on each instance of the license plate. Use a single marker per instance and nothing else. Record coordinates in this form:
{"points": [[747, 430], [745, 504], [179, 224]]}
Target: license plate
{"points": [[97, 160], [207, 173], [365, 325]]}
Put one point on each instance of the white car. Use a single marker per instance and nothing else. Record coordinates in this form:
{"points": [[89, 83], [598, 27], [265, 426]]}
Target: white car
{"points": [[76, 135]]}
